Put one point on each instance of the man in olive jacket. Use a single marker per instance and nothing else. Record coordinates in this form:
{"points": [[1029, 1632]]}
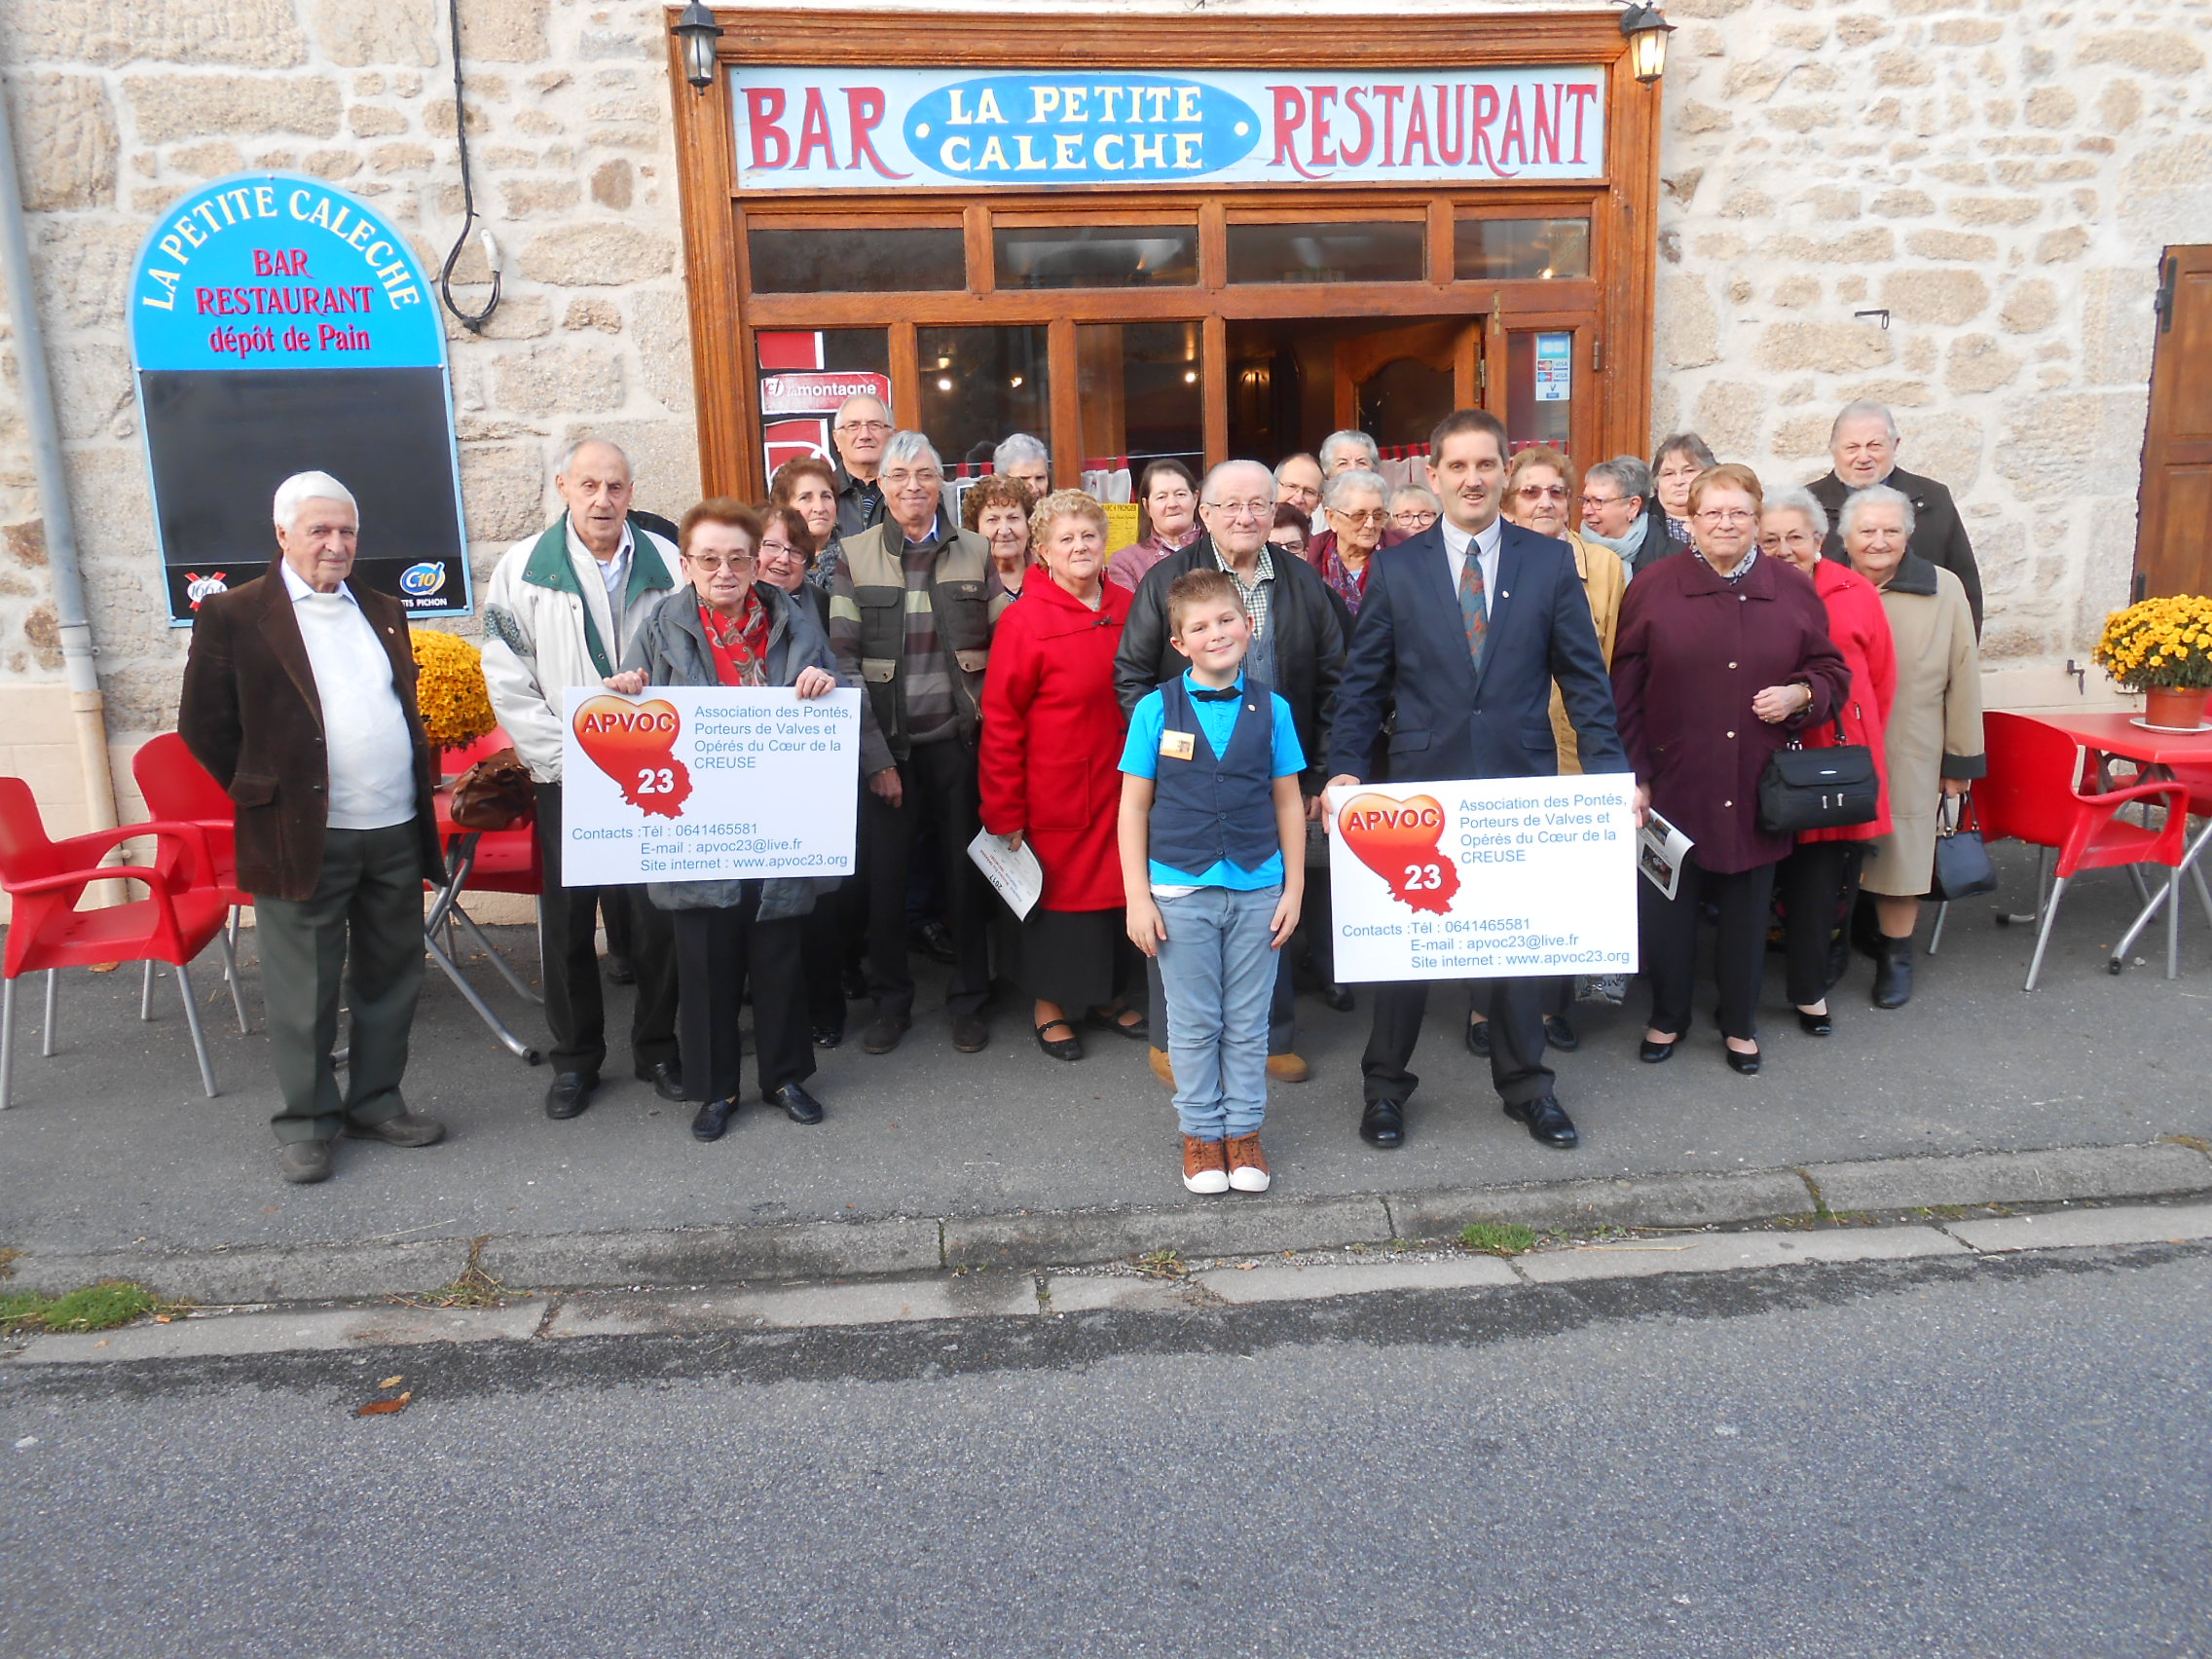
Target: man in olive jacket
{"points": [[1863, 444], [299, 698]]}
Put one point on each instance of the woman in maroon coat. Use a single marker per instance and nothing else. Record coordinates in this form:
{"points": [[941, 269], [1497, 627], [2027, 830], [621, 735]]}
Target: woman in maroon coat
{"points": [[1052, 734], [1820, 879], [1720, 658]]}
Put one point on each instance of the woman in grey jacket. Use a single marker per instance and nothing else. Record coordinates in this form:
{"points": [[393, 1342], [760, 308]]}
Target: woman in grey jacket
{"points": [[728, 629]]}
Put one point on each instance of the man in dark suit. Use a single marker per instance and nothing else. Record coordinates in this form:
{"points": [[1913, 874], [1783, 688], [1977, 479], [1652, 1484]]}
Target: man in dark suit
{"points": [[1863, 445], [1464, 628], [299, 697]]}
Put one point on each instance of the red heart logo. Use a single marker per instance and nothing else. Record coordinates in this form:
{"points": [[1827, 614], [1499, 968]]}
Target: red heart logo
{"points": [[1397, 839], [634, 745]]}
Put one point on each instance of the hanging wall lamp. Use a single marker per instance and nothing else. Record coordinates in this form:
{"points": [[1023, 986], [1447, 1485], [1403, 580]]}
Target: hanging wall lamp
{"points": [[698, 31], [1647, 31]]}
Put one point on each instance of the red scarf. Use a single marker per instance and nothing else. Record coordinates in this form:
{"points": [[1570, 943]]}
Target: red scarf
{"points": [[740, 643]]}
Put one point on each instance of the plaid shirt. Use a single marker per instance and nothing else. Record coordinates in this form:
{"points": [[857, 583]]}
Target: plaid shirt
{"points": [[1256, 590]]}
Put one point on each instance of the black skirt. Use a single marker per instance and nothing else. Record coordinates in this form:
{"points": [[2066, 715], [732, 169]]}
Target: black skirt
{"points": [[1079, 959]]}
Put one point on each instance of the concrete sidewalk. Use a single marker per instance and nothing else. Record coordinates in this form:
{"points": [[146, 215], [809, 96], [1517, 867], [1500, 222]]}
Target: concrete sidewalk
{"points": [[112, 1156]]}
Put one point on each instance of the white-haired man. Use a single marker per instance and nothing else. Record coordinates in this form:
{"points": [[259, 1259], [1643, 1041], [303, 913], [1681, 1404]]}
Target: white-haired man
{"points": [[561, 611], [299, 697], [910, 617], [1021, 456], [859, 430], [1863, 445]]}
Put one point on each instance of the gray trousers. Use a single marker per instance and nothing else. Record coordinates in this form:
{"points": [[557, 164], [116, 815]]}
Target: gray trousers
{"points": [[362, 927]]}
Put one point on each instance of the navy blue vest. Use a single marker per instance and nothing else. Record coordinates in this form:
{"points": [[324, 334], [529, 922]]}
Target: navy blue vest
{"points": [[1213, 807]]}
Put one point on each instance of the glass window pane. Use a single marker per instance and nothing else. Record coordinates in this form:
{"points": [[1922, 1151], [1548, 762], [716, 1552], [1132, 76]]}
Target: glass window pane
{"points": [[805, 374], [1095, 256], [1511, 249], [1539, 389], [857, 261], [1142, 386], [978, 385], [1380, 251]]}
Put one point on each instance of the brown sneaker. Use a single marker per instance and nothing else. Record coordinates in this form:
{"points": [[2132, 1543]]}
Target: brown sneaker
{"points": [[1161, 1070], [1203, 1170], [409, 1129], [1288, 1068], [1247, 1163]]}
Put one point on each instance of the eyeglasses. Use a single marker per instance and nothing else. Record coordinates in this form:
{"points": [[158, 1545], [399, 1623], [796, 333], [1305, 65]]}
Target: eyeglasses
{"points": [[927, 475], [715, 564], [1371, 515], [1591, 504], [863, 425], [1726, 515], [1790, 538], [1243, 509], [1542, 492], [780, 549], [1413, 518]]}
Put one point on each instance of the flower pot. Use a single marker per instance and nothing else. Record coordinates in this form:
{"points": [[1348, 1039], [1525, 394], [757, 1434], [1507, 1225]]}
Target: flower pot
{"points": [[2174, 708]]}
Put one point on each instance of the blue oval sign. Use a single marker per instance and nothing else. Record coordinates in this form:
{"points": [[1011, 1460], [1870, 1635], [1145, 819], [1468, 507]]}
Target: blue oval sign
{"points": [[422, 581], [1080, 130]]}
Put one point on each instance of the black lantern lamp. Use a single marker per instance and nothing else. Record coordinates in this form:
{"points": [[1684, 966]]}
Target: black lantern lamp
{"points": [[1647, 31], [698, 31]]}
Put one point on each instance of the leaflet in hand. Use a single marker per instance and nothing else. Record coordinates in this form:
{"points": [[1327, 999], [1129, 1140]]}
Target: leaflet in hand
{"points": [[1660, 849]]}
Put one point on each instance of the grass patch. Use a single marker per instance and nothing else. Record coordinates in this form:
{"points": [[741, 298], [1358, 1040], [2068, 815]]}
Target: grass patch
{"points": [[1499, 1237], [475, 1288], [1162, 1264], [97, 1306]]}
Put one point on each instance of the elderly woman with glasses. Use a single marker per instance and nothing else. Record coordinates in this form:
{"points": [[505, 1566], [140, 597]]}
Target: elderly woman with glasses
{"points": [[1819, 881], [1414, 508], [727, 628], [1357, 518], [1721, 658], [1675, 465], [997, 508]]}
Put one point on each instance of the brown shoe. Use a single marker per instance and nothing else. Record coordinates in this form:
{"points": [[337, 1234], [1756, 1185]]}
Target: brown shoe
{"points": [[303, 1162], [1248, 1165], [409, 1129], [1161, 1070], [1203, 1167], [1288, 1068]]}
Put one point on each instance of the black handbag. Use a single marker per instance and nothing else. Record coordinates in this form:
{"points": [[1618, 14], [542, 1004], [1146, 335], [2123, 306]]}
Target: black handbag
{"points": [[1819, 789], [1962, 870]]}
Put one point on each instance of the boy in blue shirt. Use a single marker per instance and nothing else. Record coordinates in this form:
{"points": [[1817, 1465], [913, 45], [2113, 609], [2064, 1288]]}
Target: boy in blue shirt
{"points": [[1213, 864]]}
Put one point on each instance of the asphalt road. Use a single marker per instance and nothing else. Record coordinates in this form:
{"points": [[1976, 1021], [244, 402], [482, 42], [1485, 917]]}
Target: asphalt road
{"points": [[1999, 1458]]}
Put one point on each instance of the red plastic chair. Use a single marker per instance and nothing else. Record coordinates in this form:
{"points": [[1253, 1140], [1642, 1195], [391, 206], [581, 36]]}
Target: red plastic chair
{"points": [[2030, 795], [177, 789], [183, 911], [486, 861]]}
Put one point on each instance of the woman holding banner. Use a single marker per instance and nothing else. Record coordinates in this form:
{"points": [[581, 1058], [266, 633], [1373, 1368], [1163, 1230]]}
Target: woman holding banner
{"points": [[728, 629], [1052, 733]]}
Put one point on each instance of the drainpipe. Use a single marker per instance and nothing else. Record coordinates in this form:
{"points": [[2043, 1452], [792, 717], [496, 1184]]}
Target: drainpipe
{"points": [[88, 708]]}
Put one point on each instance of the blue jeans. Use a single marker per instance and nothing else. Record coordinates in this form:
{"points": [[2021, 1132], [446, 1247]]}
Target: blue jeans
{"points": [[1219, 973]]}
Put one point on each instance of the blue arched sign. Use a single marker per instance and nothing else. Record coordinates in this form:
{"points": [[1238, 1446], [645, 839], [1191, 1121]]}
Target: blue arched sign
{"points": [[280, 325]]}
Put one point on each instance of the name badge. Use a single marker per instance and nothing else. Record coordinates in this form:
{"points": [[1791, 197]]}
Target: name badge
{"points": [[1178, 745]]}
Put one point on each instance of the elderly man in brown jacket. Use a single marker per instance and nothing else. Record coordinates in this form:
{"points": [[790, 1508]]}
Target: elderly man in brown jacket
{"points": [[299, 696]]}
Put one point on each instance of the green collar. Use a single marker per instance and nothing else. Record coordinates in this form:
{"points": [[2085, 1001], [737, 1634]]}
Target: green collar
{"points": [[550, 567]]}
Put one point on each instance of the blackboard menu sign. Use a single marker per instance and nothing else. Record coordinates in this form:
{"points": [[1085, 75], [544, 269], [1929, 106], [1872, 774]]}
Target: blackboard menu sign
{"points": [[278, 325]]}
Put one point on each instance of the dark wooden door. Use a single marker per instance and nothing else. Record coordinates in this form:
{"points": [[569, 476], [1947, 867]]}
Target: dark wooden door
{"points": [[2173, 548]]}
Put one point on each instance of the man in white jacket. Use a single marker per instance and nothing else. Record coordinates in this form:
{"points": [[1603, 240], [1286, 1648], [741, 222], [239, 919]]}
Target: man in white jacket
{"points": [[562, 608]]}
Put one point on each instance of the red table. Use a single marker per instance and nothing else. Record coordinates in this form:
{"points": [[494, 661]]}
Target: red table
{"points": [[2110, 737]]}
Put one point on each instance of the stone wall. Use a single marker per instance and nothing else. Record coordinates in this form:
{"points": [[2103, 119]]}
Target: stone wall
{"points": [[2000, 177], [122, 106]]}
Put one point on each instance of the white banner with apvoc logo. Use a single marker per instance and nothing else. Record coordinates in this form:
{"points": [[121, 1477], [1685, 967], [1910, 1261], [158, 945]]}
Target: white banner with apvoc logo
{"points": [[830, 129], [1494, 879], [706, 784]]}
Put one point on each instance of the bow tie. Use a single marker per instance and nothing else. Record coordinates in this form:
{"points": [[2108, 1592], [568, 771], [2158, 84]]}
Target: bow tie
{"points": [[1230, 695]]}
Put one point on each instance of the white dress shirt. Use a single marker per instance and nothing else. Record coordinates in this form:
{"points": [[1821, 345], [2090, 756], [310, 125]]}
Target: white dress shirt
{"points": [[365, 741], [1484, 542]]}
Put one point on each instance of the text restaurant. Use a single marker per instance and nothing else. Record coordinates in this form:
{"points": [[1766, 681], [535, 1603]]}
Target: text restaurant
{"points": [[1142, 236]]}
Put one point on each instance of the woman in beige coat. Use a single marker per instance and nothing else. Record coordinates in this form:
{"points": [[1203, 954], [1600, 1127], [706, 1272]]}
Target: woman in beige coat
{"points": [[1934, 742]]}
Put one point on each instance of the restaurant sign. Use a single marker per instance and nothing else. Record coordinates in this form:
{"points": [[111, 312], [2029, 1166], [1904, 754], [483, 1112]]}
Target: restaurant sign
{"points": [[825, 128]]}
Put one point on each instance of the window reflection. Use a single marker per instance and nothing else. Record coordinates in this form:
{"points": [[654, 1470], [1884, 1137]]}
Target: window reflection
{"points": [[1382, 250], [1095, 256], [857, 261], [1519, 249], [978, 385], [1143, 392]]}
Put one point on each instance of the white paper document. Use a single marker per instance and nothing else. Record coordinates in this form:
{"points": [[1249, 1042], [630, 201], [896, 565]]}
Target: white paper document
{"points": [[1660, 849], [1014, 871]]}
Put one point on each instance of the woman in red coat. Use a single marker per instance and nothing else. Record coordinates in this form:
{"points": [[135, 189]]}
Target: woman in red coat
{"points": [[1051, 749], [1720, 657], [1820, 880]]}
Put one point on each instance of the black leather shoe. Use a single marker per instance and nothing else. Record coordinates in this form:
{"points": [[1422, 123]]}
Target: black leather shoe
{"points": [[1478, 1038], [1560, 1035], [933, 940], [1893, 973], [1655, 1053], [883, 1033], [713, 1118], [1816, 1024], [1383, 1124], [1547, 1122], [969, 1033], [1337, 998], [666, 1077], [570, 1094], [799, 1106], [829, 1036], [1067, 1047], [1746, 1064], [621, 970]]}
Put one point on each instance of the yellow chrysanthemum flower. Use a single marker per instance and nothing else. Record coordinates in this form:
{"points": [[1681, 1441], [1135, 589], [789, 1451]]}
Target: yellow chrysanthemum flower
{"points": [[449, 689]]}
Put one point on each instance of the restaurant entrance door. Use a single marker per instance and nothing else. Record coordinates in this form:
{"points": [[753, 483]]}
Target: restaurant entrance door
{"points": [[1294, 380]]}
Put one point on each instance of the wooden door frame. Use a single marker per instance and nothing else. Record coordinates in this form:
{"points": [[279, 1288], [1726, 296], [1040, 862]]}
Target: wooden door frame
{"points": [[1624, 206]]}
